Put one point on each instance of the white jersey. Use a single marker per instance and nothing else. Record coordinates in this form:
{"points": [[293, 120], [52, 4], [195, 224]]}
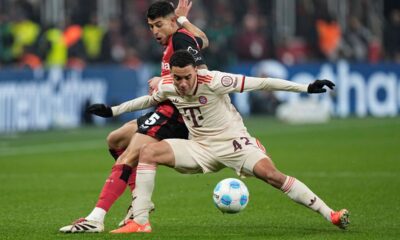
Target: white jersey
{"points": [[207, 111]]}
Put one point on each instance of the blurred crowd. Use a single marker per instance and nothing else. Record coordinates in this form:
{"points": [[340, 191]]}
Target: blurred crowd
{"points": [[238, 31]]}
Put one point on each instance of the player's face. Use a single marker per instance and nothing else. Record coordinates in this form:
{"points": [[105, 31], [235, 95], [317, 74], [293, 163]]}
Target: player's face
{"points": [[162, 28], [184, 79]]}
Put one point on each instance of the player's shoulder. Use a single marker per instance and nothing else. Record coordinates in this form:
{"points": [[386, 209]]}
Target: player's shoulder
{"points": [[205, 76], [181, 35], [166, 83]]}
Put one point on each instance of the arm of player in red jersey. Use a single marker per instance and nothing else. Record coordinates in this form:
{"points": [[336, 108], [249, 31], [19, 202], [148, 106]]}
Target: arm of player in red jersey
{"points": [[153, 84], [181, 12]]}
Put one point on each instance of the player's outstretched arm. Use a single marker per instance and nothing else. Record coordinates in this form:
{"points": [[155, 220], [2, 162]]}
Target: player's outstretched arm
{"points": [[105, 111], [181, 12], [276, 84]]}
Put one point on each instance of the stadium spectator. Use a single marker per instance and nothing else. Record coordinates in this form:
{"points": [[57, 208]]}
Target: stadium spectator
{"points": [[52, 47], [392, 36], [73, 40], [92, 38], [25, 35], [6, 40], [251, 43], [356, 40], [329, 35], [112, 50]]}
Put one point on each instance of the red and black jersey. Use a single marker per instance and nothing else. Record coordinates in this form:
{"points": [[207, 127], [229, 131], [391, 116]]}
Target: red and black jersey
{"points": [[181, 39], [166, 122]]}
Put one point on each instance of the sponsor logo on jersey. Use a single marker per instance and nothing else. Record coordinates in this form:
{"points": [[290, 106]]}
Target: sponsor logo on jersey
{"points": [[202, 100], [165, 66], [226, 81], [194, 53]]}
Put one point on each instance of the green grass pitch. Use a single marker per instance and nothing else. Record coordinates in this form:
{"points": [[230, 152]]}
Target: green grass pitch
{"points": [[49, 179]]}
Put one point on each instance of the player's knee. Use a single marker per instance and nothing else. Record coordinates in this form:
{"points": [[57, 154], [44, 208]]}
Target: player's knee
{"points": [[116, 140], [129, 157], [112, 140], [147, 153]]}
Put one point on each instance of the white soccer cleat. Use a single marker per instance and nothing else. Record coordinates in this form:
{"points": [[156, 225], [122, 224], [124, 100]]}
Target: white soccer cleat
{"points": [[83, 226]]}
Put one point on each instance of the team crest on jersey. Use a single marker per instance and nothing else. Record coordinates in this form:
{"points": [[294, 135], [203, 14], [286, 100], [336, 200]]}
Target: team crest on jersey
{"points": [[203, 100], [226, 81]]}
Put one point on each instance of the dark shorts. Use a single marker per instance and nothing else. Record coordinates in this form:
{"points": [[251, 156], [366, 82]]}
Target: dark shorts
{"points": [[165, 122]]}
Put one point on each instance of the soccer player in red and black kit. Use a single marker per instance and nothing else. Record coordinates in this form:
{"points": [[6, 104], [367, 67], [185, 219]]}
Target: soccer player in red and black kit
{"points": [[165, 122]]}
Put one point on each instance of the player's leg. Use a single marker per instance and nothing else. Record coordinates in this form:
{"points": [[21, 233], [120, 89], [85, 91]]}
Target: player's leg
{"points": [[119, 139], [150, 155], [265, 170], [172, 153]]}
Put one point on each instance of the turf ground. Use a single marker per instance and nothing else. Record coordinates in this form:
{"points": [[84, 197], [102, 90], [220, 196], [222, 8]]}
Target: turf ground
{"points": [[49, 179]]}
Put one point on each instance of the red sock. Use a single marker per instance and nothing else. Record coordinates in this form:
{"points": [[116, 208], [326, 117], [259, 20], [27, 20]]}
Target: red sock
{"points": [[132, 179], [115, 153], [114, 186]]}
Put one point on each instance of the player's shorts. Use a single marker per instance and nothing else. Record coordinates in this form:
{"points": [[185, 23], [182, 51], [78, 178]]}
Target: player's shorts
{"points": [[240, 154], [164, 123]]}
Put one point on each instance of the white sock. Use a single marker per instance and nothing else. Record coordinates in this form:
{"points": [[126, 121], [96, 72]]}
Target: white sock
{"points": [[145, 177], [300, 193], [97, 215]]}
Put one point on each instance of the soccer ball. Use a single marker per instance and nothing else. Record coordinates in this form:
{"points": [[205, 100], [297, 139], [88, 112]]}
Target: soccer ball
{"points": [[231, 195]]}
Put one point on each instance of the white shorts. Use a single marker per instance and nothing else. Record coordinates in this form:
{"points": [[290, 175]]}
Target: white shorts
{"points": [[240, 154]]}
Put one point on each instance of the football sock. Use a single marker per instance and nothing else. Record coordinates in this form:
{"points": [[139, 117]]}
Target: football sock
{"points": [[132, 179], [97, 215], [146, 175], [115, 153], [114, 186], [300, 193]]}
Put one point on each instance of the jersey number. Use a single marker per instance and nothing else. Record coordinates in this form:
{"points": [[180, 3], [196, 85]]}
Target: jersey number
{"points": [[151, 120], [238, 146]]}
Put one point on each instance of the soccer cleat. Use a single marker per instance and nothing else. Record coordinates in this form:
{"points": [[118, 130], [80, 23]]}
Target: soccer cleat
{"points": [[132, 227], [83, 226], [129, 215], [341, 218]]}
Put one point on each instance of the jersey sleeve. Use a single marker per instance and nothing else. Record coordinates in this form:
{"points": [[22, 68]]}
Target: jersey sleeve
{"points": [[224, 83], [200, 42], [182, 41], [165, 88]]}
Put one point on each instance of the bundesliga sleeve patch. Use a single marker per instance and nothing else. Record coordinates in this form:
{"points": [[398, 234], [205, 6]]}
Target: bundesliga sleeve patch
{"points": [[226, 81]]}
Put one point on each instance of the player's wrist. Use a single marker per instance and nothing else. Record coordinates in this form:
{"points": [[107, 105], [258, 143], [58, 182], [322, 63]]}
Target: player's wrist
{"points": [[181, 20]]}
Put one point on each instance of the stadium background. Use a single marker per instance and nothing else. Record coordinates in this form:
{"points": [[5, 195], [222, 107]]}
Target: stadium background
{"points": [[58, 56]]}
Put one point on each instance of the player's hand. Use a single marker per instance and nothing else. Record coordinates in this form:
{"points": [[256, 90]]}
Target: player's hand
{"points": [[153, 84], [183, 8], [318, 86], [100, 109]]}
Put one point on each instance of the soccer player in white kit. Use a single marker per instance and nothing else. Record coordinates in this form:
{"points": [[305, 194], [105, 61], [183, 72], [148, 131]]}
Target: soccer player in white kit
{"points": [[217, 136]]}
